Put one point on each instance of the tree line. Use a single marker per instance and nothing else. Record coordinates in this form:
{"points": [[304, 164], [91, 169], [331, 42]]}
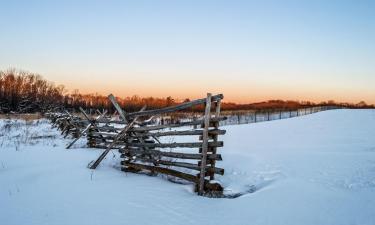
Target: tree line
{"points": [[25, 92]]}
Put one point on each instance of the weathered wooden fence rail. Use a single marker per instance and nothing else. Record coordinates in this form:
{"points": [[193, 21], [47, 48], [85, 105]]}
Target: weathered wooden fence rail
{"points": [[145, 145]]}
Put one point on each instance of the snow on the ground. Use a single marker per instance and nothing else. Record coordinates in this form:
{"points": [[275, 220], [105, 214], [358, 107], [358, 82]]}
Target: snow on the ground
{"points": [[315, 169]]}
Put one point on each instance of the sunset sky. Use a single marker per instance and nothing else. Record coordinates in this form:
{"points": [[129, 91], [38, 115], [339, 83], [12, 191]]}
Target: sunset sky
{"points": [[247, 50]]}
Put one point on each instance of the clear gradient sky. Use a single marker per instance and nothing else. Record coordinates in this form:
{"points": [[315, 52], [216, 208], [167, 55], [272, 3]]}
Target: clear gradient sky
{"points": [[247, 50]]}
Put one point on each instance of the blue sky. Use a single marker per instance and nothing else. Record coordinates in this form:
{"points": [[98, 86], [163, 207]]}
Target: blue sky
{"points": [[248, 50]]}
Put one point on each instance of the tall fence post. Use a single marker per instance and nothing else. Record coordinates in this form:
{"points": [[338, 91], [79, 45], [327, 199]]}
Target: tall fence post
{"points": [[215, 136], [207, 115]]}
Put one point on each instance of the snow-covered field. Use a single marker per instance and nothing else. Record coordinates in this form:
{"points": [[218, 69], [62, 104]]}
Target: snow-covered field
{"points": [[317, 169]]}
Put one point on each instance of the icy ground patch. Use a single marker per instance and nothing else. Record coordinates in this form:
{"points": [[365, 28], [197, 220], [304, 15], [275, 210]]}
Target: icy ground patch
{"points": [[316, 169]]}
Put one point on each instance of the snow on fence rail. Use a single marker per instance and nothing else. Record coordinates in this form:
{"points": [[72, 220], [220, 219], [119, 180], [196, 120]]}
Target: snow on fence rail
{"points": [[144, 145]]}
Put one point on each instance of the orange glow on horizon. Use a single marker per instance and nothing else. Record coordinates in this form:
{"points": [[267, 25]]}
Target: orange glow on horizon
{"points": [[250, 95]]}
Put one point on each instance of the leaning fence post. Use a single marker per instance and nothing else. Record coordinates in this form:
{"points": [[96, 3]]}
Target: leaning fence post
{"points": [[207, 114], [117, 107]]}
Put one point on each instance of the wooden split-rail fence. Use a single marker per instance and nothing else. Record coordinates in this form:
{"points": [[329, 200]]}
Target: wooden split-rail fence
{"points": [[146, 146]]}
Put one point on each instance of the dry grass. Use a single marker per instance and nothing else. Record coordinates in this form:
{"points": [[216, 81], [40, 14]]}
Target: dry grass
{"points": [[22, 116], [25, 130]]}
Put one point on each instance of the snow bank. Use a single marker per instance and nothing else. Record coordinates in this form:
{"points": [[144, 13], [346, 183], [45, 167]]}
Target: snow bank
{"points": [[316, 169]]}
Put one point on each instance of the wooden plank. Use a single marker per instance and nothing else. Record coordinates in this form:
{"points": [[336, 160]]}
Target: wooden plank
{"points": [[175, 173], [106, 121], [120, 135], [160, 127], [182, 124], [179, 155], [169, 133], [118, 107], [124, 141], [178, 145], [182, 165], [105, 146], [217, 108], [207, 115], [165, 145], [215, 137], [182, 106], [167, 171], [185, 132]]}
